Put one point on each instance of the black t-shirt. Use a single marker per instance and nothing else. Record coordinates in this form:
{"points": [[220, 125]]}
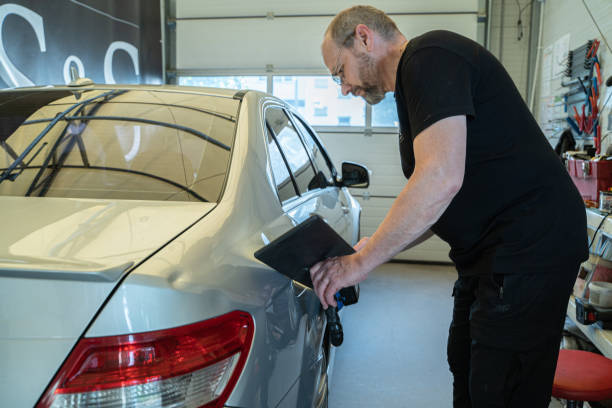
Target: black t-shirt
{"points": [[517, 211]]}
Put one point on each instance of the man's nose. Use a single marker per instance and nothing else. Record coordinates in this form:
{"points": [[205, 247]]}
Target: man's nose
{"points": [[345, 89]]}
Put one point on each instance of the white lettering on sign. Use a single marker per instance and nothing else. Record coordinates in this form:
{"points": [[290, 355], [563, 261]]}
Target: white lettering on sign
{"points": [[15, 78], [108, 59], [10, 74]]}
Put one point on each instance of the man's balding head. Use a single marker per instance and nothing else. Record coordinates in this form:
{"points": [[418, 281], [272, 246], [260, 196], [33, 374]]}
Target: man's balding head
{"points": [[342, 27], [356, 50]]}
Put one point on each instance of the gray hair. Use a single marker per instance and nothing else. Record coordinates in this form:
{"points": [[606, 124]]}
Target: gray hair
{"points": [[343, 25]]}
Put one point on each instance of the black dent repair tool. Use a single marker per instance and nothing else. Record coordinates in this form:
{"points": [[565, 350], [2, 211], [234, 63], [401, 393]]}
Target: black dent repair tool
{"points": [[296, 251]]}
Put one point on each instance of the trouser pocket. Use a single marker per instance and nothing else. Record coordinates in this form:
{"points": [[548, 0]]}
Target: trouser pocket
{"points": [[459, 340], [459, 337]]}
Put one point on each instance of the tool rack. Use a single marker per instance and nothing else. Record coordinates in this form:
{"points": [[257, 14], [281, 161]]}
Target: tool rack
{"points": [[581, 101]]}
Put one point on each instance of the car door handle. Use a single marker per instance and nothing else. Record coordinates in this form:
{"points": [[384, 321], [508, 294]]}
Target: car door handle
{"points": [[345, 209]]}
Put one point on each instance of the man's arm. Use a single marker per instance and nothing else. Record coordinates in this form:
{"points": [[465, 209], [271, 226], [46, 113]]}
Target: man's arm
{"points": [[426, 235], [439, 168], [438, 175]]}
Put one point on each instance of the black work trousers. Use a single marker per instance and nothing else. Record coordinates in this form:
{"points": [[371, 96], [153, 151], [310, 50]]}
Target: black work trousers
{"points": [[504, 338]]}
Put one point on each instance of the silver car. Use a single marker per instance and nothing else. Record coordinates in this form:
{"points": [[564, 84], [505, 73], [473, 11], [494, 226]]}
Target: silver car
{"points": [[129, 220]]}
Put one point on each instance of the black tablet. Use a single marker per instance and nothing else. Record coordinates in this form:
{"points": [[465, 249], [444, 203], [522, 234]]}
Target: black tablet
{"points": [[297, 250]]}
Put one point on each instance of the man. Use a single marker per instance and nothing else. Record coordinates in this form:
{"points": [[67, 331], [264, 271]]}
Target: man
{"points": [[481, 176]]}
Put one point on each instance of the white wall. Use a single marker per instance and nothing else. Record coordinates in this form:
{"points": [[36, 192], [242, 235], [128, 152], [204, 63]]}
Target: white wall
{"points": [[571, 17], [504, 43]]}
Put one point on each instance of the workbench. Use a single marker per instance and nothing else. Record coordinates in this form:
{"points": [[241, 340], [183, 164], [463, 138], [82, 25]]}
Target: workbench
{"points": [[602, 339]]}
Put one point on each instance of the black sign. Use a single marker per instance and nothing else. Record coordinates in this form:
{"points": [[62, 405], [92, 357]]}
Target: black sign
{"points": [[108, 41]]}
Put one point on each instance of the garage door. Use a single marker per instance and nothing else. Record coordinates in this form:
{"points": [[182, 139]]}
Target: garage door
{"points": [[222, 34]]}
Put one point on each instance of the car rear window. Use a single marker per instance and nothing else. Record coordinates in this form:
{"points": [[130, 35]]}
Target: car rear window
{"points": [[115, 144]]}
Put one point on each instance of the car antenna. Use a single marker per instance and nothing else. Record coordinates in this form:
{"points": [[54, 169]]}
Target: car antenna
{"points": [[76, 81]]}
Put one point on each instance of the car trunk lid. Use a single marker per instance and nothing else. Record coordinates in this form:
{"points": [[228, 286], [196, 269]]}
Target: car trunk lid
{"points": [[60, 259]]}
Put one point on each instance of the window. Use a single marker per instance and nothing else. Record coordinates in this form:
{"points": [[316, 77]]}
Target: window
{"points": [[256, 83], [384, 114], [321, 83], [344, 121], [322, 111], [128, 149], [317, 98], [282, 178], [316, 153], [292, 147], [320, 105]]}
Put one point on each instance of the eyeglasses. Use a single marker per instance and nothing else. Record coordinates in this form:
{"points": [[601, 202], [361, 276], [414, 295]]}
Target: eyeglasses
{"points": [[338, 72]]}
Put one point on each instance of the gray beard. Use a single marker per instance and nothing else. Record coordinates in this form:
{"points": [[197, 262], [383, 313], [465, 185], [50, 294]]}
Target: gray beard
{"points": [[373, 95], [373, 92]]}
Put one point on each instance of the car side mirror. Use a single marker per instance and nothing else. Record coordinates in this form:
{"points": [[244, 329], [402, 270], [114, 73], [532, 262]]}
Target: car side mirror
{"points": [[355, 175]]}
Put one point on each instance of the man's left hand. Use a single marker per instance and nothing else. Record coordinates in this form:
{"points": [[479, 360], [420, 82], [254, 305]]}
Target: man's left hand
{"points": [[333, 274]]}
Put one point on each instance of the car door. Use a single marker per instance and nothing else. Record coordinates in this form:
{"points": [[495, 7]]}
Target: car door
{"points": [[316, 192], [323, 164], [293, 173]]}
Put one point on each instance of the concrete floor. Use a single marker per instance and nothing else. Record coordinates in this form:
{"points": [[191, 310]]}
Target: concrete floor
{"points": [[394, 351]]}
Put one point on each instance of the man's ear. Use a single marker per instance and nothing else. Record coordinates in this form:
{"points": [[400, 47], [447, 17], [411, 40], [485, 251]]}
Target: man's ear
{"points": [[363, 36]]}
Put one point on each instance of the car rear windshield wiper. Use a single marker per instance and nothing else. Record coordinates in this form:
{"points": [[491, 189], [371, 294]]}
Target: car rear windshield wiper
{"points": [[75, 137], [7, 174], [24, 166]]}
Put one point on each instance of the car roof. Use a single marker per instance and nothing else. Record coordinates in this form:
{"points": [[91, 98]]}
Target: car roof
{"points": [[204, 91], [217, 92]]}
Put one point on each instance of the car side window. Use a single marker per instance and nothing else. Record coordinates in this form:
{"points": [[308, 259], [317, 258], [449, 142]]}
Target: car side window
{"points": [[293, 149], [282, 177], [316, 153]]}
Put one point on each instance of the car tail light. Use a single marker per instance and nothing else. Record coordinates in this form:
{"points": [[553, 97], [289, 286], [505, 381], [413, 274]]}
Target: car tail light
{"points": [[189, 366]]}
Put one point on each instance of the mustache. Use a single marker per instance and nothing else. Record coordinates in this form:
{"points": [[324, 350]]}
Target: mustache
{"points": [[366, 90]]}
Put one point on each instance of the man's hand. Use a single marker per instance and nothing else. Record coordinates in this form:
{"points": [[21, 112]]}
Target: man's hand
{"points": [[361, 244], [333, 274]]}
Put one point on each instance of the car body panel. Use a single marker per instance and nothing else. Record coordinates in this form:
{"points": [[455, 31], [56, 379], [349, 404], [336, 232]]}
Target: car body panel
{"points": [[87, 235], [27, 366], [328, 204], [204, 268], [289, 320]]}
